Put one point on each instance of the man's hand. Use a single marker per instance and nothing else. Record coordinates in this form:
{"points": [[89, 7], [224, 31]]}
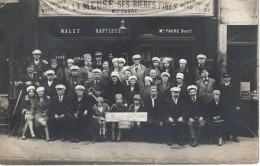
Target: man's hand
{"points": [[85, 113], [161, 123], [191, 120], [180, 119], [201, 119], [48, 97], [62, 116], [76, 115], [44, 114], [37, 83], [170, 119], [28, 83], [56, 116], [98, 93], [90, 94]]}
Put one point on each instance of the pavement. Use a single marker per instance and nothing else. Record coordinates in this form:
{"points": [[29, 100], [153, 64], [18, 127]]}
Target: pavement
{"points": [[37, 151]]}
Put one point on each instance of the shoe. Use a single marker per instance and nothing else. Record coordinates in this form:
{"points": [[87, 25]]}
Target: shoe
{"points": [[192, 141], [180, 143], [220, 141], [235, 139], [23, 137], [76, 140], [47, 139], [63, 139], [72, 140], [195, 143], [33, 135], [170, 143], [53, 139]]}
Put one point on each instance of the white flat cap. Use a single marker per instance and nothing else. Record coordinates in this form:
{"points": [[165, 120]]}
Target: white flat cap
{"points": [[175, 89], [136, 56], [201, 56], [49, 72], [153, 87], [192, 87], [132, 77], [114, 74], [97, 71], [180, 75], [183, 61], [156, 59], [70, 60], [121, 60], [36, 52], [41, 88], [126, 68], [98, 53], [166, 59], [216, 92], [60, 86], [80, 87], [114, 60], [87, 56], [74, 67], [148, 78], [30, 88], [165, 74]]}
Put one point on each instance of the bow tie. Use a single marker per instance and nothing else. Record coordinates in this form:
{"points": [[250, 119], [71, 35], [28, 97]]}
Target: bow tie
{"points": [[205, 79]]}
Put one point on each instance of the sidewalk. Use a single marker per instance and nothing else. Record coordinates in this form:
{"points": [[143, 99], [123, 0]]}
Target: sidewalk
{"points": [[35, 151]]}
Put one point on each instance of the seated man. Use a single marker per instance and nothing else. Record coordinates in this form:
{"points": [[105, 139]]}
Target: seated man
{"points": [[195, 114]]}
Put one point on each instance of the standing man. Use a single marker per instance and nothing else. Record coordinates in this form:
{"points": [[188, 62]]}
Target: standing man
{"points": [[40, 66], [49, 84], [73, 81], [98, 60], [231, 98], [195, 114], [137, 68], [96, 87], [184, 69], [201, 65], [183, 86], [206, 86]]}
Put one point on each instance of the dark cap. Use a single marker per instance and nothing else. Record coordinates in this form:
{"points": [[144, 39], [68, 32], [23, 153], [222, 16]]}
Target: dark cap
{"points": [[201, 69], [226, 75]]}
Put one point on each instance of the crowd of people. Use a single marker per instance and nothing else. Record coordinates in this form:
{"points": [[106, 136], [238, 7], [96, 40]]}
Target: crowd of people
{"points": [[68, 102]]}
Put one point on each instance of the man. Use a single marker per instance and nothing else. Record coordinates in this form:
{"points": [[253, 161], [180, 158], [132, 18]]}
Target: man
{"points": [[96, 86], [127, 73], [184, 69], [137, 68], [155, 65], [153, 74], [183, 86], [61, 109], [165, 85], [40, 66], [175, 117], [98, 60], [153, 106], [206, 86], [195, 114], [86, 70], [201, 65], [231, 98], [50, 83], [73, 81]]}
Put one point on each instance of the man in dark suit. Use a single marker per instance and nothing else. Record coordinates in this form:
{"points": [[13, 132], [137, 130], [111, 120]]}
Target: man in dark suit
{"points": [[153, 106], [206, 86], [98, 60], [201, 65], [73, 81], [179, 83], [231, 98], [49, 84], [195, 114], [175, 117], [40, 66], [61, 109]]}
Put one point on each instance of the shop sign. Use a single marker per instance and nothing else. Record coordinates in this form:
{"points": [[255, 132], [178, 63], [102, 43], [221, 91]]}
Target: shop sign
{"points": [[126, 116], [125, 8]]}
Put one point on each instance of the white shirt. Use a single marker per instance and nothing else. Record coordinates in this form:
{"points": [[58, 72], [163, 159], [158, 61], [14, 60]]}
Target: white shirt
{"points": [[153, 100], [36, 62], [132, 88], [175, 100], [100, 109], [49, 83], [60, 98], [227, 83]]}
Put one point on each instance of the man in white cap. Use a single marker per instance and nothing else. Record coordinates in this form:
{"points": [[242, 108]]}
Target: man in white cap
{"points": [[96, 87], [165, 85], [127, 73], [40, 66], [85, 72], [184, 69], [50, 83], [155, 65], [175, 117], [179, 83], [201, 65], [195, 114], [137, 68], [67, 70], [73, 81], [61, 109], [98, 60]]}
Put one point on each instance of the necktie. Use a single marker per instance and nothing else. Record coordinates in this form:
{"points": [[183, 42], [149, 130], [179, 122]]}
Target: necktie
{"points": [[60, 99], [193, 99], [136, 69]]}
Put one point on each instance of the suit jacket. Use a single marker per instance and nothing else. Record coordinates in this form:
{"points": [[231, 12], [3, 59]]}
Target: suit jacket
{"points": [[195, 109], [175, 111], [100, 86], [165, 92], [96, 66], [114, 89], [40, 68], [183, 93], [71, 84], [97, 114], [140, 74], [187, 75], [86, 103], [65, 107], [206, 91], [130, 94], [156, 114], [21, 84], [49, 90], [140, 109], [214, 109]]}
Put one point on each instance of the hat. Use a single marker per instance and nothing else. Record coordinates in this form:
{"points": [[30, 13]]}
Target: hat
{"points": [[53, 61], [80, 87], [132, 77], [97, 71], [125, 68], [166, 59], [148, 78], [202, 69], [74, 67], [183, 61], [100, 99], [153, 87], [98, 53], [60, 86], [36, 52], [87, 56], [175, 89], [136, 56], [165, 74], [137, 96], [114, 74], [226, 75], [121, 60], [156, 59], [192, 87], [70, 60], [180, 75], [41, 88], [114, 60], [49, 72], [201, 56], [216, 92], [30, 88], [118, 96]]}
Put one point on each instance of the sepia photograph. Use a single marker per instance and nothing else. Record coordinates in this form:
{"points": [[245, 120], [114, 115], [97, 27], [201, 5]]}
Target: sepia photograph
{"points": [[127, 82]]}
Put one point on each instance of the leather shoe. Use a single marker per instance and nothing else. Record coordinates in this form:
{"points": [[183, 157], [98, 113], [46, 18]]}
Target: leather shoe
{"points": [[63, 139], [195, 143], [47, 139], [180, 143]]}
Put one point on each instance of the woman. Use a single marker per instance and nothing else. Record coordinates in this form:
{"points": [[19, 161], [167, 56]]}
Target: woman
{"points": [[41, 108], [167, 68], [137, 106], [27, 111], [132, 89], [106, 71], [165, 86], [146, 89]]}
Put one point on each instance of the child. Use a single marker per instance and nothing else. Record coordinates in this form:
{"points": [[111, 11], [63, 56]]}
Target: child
{"points": [[119, 106]]}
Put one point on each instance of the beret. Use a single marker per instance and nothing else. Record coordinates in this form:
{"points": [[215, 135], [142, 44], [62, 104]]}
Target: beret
{"points": [[192, 87], [166, 59], [74, 67], [121, 60], [80, 87], [201, 56], [36, 52], [216, 92], [132, 77], [114, 74], [97, 71], [180, 75], [136, 56], [60, 86], [137, 96], [114, 60], [70, 60], [148, 78], [156, 59], [30, 88], [183, 61], [98, 53], [118, 96], [165, 73], [41, 88], [175, 89], [100, 99], [49, 72]]}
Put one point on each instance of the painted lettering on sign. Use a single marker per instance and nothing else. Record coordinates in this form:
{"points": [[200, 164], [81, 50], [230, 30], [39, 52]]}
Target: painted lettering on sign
{"points": [[126, 116]]}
